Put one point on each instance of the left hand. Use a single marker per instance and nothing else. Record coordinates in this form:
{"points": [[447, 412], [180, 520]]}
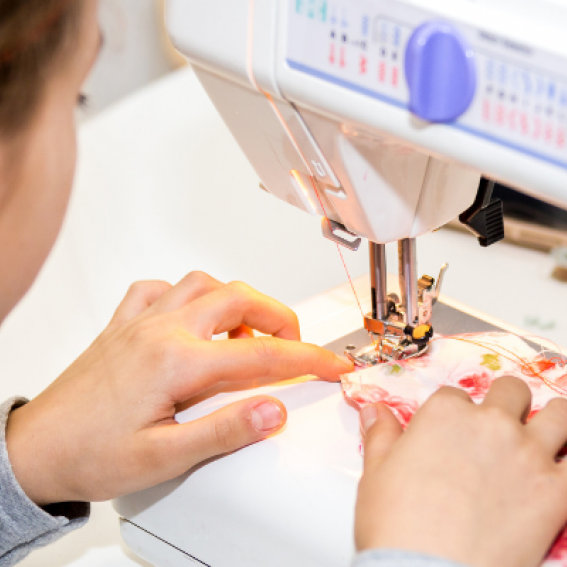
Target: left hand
{"points": [[106, 426], [470, 483]]}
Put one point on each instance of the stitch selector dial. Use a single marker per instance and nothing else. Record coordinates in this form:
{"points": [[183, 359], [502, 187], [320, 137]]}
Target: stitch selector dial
{"points": [[440, 72]]}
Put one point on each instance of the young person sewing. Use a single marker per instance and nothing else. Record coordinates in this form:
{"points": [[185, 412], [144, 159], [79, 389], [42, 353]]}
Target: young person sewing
{"points": [[465, 484]]}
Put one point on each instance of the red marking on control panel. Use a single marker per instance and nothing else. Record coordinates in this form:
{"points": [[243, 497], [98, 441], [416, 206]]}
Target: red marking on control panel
{"points": [[560, 141], [486, 110], [524, 123], [363, 65], [500, 115], [549, 132], [537, 128], [342, 61], [382, 72], [395, 76], [332, 54]]}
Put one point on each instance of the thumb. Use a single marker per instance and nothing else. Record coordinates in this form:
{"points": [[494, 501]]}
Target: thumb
{"points": [[228, 429], [380, 429]]}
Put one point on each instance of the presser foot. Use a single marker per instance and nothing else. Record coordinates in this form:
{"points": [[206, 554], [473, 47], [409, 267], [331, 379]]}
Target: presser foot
{"points": [[392, 340], [385, 350]]}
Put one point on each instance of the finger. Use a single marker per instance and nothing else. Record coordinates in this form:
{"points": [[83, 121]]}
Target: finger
{"points": [[190, 288], [381, 430], [238, 304], [260, 357], [445, 403], [224, 431], [549, 426], [241, 332], [138, 298], [447, 394], [511, 395], [442, 402]]}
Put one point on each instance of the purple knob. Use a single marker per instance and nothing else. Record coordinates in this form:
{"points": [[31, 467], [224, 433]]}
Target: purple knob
{"points": [[440, 72]]}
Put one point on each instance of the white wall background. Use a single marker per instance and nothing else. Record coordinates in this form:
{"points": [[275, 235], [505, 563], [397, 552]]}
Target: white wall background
{"points": [[135, 51]]}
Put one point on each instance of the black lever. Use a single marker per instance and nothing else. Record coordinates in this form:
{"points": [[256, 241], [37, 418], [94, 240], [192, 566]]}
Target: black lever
{"points": [[485, 218]]}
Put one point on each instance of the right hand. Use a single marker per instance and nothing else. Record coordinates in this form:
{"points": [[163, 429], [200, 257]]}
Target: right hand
{"points": [[107, 427], [470, 483]]}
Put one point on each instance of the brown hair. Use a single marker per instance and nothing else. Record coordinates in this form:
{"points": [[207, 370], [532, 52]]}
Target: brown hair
{"points": [[33, 33]]}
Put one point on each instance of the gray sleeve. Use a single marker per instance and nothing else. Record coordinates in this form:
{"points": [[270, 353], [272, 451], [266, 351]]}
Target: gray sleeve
{"points": [[23, 525], [398, 558]]}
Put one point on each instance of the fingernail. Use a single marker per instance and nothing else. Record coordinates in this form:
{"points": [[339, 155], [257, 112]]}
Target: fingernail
{"points": [[266, 416], [368, 417], [346, 362], [346, 368]]}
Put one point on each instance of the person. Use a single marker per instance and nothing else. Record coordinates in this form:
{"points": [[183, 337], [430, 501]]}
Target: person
{"points": [[464, 485]]}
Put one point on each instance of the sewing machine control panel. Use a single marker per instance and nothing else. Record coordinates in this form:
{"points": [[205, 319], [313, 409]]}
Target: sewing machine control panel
{"points": [[441, 71]]}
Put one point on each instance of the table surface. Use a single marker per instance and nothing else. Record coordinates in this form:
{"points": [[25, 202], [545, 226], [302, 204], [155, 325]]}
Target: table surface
{"points": [[163, 189]]}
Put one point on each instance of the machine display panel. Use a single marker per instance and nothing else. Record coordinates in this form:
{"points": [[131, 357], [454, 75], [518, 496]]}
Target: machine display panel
{"points": [[520, 99]]}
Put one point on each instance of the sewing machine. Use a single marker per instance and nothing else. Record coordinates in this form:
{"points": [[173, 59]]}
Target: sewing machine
{"points": [[387, 120]]}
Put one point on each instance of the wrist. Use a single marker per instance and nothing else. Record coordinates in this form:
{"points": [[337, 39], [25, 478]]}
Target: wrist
{"points": [[33, 461]]}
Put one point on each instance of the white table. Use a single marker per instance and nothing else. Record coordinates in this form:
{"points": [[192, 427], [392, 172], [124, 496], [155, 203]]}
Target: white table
{"points": [[162, 189]]}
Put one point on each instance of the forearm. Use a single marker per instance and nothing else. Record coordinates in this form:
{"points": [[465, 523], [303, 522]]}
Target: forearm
{"points": [[23, 525], [398, 558]]}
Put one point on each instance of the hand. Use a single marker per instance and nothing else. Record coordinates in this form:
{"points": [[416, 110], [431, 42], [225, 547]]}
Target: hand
{"points": [[470, 483], [106, 426]]}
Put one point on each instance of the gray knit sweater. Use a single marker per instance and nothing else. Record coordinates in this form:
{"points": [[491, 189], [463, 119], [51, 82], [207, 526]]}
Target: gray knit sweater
{"points": [[25, 527]]}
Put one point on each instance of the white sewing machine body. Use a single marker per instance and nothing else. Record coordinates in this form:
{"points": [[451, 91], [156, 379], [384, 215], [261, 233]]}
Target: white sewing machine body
{"points": [[318, 95], [354, 129]]}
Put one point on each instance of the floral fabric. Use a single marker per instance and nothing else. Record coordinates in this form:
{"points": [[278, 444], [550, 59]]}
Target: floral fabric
{"points": [[470, 362]]}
